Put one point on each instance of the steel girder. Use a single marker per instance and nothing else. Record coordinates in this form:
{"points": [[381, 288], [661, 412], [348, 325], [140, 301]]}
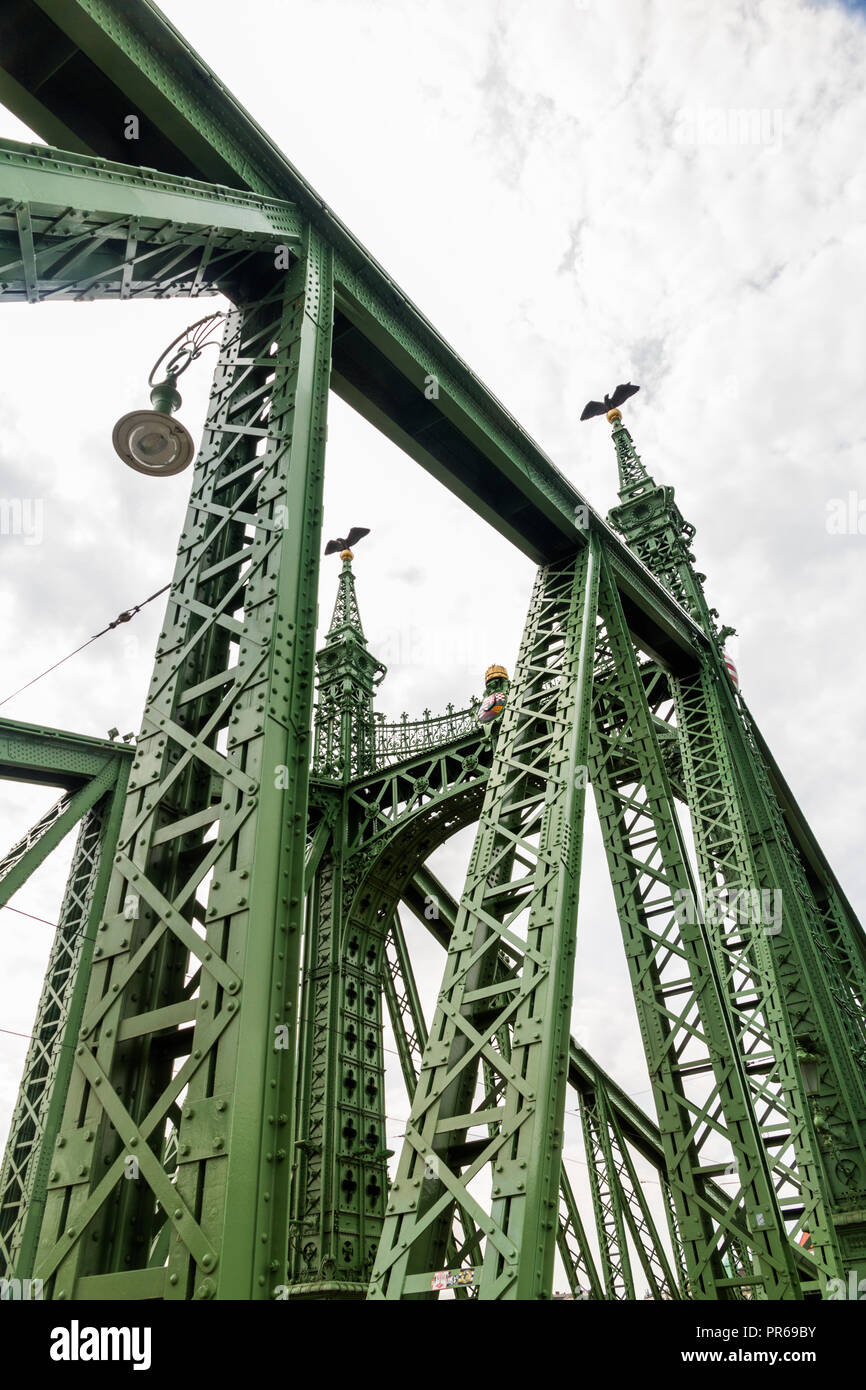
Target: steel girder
{"points": [[607, 1200], [661, 1280], [36, 1119], [54, 757], [586, 1078], [698, 1076], [775, 971], [94, 772], [841, 922], [404, 1005], [789, 954], [126, 54], [83, 229], [383, 349], [20, 862], [410, 1033], [521, 899], [412, 797], [177, 1079], [383, 827]]}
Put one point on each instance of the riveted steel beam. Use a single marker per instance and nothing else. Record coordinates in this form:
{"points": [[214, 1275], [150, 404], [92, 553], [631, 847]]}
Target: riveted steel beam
{"points": [[127, 57], [203, 910], [36, 1119], [79, 228], [25, 857], [54, 757], [521, 898]]}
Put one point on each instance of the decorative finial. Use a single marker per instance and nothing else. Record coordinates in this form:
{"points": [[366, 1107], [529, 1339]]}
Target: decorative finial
{"points": [[621, 394], [342, 543], [495, 673], [613, 415]]}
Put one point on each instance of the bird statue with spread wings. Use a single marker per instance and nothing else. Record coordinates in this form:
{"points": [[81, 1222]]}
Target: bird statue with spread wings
{"points": [[346, 542], [621, 394]]}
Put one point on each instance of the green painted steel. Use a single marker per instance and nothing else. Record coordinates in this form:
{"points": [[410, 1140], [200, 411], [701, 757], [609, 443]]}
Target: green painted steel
{"points": [[94, 773], [574, 1248], [588, 1080], [25, 857], [607, 1199], [126, 53], [54, 757], [48, 1065], [794, 989], [203, 913], [404, 1005], [218, 1128], [698, 1076], [520, 898], [661, 1280], [345, 744], [410, 1033], [82, 229]]}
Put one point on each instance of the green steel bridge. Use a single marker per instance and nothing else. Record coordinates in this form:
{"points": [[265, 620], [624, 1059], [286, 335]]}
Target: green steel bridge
{"points": [[211, 1022]]}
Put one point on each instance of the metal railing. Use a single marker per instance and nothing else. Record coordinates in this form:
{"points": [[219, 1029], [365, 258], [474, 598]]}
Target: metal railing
{"points": [[406, 737]]}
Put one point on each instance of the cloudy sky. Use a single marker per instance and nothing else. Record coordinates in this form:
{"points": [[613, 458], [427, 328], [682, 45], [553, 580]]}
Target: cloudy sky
{"points": [[576, 194]]}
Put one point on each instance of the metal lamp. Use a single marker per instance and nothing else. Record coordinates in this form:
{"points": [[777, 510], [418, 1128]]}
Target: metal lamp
{"points": [[151, 441]]}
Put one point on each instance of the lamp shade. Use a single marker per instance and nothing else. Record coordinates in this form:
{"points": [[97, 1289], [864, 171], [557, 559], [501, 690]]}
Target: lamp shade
{"points": [[152, 442]]}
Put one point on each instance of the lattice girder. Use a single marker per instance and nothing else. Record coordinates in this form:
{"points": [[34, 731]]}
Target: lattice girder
{"points": [[524, 866], [48, 1065], [676, 985], [81, 229], [219, 789]]}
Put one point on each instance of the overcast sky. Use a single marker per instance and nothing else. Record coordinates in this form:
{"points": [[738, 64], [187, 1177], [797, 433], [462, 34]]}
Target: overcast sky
{"points": [[575, 194]]}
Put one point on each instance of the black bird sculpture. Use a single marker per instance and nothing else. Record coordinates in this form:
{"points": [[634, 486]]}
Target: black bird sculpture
{"points": [[621, 394], [346, 542]]}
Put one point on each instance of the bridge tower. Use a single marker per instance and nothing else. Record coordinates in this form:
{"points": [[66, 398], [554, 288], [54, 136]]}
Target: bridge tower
{"points": [[203, 1114]]}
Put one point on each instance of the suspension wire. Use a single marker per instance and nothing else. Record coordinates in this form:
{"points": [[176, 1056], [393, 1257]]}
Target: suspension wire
{"points": [[121, 618], [22, 913]]}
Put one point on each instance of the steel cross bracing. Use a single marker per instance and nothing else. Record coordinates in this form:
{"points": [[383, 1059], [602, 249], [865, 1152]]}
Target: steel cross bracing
{"points": [[772, 978], [94, 774], [82, 229], [588, 1081], [608, 1206], [697, 1073], [124, 51], [794, 992], [410, 1033], [197, 1157], [520, 898], [410, 798], [203, 913], [619, 1204]]}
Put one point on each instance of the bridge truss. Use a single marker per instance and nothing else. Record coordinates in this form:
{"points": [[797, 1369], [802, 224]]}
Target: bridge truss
{"points": [[202, 1110]]}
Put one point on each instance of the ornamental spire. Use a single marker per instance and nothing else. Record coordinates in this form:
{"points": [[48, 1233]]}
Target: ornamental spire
{"points": [[633, 477], [348, 675], [346, 621], [653, 526]]}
